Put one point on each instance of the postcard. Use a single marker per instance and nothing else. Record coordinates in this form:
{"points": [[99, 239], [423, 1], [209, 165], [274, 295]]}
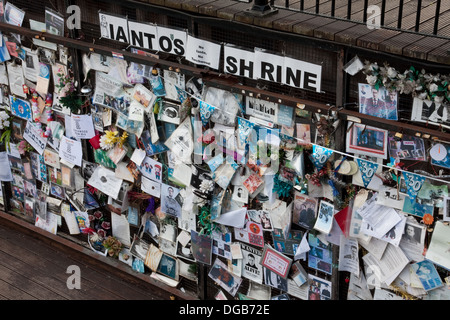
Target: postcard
{"points": [[169, 112], [407, 148], [222, 244], [252, 269], [51, 158], [276, 261], [261, 217], [21, 108], [220, 274], [251, 234], [253, 182], [325, 215], [439, 246], [288, 245], [366, 140]]}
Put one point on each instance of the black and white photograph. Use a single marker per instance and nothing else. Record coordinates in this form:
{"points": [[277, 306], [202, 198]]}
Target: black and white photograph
{"points": [[240, 194], [413, 233], [274, 280], [434, 112], [169, 204], [185, 252], [199, 175], [261, 217], [167, 239], [139, 248], [87, 169], [325, 215], [169, 112]]}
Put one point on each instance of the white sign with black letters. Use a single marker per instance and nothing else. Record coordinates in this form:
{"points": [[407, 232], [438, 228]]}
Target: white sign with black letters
{"points": [[71, 151], [203, 52], [34, 137], [113, 27]]}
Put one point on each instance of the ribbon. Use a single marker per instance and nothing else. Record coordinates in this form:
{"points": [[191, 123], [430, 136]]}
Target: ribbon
{"points": [[151, 205]]}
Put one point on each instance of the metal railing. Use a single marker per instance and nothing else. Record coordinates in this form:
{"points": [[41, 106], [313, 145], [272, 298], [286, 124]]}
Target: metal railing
{"points": [[323, 8]]}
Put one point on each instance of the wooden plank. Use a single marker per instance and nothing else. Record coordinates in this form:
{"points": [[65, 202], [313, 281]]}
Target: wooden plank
{"points": [[43, 278], [268, 21], [328, 31], [372, 39], [54, 265], [60, 262], [12, 293], [114, 267], [350, 35], [440, 54], [307, 27], [28, 285], [286, 23], [396, 44], [420, 49], [193, 5], [212, 8]]}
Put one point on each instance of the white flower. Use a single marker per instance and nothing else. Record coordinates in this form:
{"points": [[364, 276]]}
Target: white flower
{"points": [[206, 185], [274, 157], [433, 87], [391, 72], [3, 115], [371, 80], [1, 126], [6, 123]]}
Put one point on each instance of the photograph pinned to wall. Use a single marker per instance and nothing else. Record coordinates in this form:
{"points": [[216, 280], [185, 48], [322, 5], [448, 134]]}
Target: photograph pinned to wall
{"points": [[201, 246], [378, 102], [366, 140], [298, 274], [240, 194], [220, 274], [29, 207], [18, 193], [199, 175], [150, 148], [416, 209], [151, 169], [428, 275], [51, 158], [185, 252], [174, 82], [253, 182], [287, 245], [57, 191], [304, 210], [432, 195], [274, 280], [221, 244], [320, 255], [20, 108], [54, 22], [261, 217], [144, 96], [168, 266], [55, 175], [169, 202], [303, 132], [169, 112], [30, 188], [319, 289], [16, 164], [139, 248], [434, 112], [17, 127], [67, 177], [325, 215], [406, 148], [16, 205]]}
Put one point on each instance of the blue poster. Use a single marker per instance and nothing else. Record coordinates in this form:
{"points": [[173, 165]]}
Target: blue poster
{"points": [[413, 184], [21, 108], [367, 170], [320, 156], [245, 128]]}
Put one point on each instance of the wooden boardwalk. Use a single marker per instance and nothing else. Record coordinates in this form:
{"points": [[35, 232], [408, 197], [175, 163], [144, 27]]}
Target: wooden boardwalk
{"points": [[35, 268]]}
